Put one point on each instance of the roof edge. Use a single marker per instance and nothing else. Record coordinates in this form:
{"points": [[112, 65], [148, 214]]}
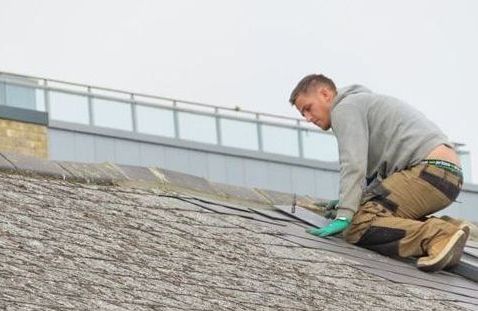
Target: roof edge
{"points": [[108, 173]]}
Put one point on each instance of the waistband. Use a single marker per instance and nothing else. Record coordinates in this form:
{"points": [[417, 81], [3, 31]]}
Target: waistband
{"points": [[448, 166]]}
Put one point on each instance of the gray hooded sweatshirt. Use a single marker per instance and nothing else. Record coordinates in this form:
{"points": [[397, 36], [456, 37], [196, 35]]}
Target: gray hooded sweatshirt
{"points": [[377, 135]]}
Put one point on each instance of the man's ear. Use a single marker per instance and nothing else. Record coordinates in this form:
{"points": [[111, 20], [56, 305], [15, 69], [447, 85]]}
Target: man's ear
{"points": [[326, 92]]}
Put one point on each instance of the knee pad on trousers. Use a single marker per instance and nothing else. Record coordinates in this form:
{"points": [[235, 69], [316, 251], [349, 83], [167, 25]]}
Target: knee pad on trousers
{"points": [[382, 239], [363, 220]]}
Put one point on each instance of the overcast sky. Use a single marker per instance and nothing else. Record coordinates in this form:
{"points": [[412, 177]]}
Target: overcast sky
{"points": [[252, 53]]}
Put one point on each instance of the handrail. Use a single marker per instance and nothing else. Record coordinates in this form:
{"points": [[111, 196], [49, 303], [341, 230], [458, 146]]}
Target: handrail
{"points": [[254, 114], [173, 108], [151, 96]]}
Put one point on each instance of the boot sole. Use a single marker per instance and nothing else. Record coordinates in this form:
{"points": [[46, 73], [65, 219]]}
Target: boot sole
{"points": [[440, 261], [455, 260]]}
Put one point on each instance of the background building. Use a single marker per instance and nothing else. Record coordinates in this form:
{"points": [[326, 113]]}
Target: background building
{"points": [[74, 122]]}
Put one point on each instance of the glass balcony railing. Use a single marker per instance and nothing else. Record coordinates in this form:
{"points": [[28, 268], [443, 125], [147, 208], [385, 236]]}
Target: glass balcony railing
{"points": [[155, 121], [153, 115], [69, 107], [23, 95], [112, 114], [239, 134]]}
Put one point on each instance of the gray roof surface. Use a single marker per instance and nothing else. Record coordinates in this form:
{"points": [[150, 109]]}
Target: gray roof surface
{"points": [[67, 245]]}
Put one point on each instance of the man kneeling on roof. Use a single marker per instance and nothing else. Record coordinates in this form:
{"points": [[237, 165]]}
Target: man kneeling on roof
{"points": [[396, 168]]}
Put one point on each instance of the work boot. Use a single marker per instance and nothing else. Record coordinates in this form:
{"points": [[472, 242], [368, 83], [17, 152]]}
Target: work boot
{"points": [[459, 223], [443, 252], [463, 226]]}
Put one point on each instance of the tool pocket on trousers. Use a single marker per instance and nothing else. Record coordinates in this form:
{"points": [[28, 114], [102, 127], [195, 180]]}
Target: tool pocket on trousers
{"points": [[363, 219], [446, 187]]}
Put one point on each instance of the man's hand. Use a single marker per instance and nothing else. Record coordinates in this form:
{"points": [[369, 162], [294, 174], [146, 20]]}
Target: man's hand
{"points": [[335, 227], [330, 208]]}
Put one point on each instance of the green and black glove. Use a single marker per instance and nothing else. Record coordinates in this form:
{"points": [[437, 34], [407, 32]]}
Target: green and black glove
{"points": [[335, 227]]}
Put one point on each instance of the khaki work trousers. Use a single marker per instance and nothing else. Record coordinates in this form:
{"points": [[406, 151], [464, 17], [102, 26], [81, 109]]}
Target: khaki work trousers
{"points": [[392, 217]]}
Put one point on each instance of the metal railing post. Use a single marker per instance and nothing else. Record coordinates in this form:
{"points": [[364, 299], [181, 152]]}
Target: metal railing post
{"points": [[3, 98], [91, 116], [300, 140], [46, 95], [134, 115], [259, 133], [176, 120], [218, 126]]}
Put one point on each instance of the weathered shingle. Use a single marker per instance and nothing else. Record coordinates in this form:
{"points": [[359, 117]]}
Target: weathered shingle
{"points": [[67, 245]]}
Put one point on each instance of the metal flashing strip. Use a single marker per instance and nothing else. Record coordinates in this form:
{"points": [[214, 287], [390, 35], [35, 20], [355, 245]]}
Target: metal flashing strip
{"points": [[303, 214]]}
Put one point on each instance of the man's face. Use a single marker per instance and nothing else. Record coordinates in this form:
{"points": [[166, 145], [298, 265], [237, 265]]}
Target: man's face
{"points": [[316, 105]]}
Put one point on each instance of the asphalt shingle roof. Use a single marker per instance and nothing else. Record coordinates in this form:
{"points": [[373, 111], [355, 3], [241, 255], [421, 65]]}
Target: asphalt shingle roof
{"points": [[67, 245]]}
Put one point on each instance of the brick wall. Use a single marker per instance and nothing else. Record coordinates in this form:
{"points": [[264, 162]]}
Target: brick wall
{"points": [[23, 138]]}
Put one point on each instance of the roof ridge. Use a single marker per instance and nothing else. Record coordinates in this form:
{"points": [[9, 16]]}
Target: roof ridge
{"points": [[108, 173]]}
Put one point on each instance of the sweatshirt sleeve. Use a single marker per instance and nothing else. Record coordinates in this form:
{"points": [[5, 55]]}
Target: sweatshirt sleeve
{"points": [[350, 126]]}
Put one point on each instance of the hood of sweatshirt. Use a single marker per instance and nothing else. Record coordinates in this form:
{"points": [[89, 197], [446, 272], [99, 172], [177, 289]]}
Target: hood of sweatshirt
{"points": [[349, 90]]}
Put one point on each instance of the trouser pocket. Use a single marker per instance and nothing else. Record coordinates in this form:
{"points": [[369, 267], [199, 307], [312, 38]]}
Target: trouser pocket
{"points": [[448, 185], [363, 219]]}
